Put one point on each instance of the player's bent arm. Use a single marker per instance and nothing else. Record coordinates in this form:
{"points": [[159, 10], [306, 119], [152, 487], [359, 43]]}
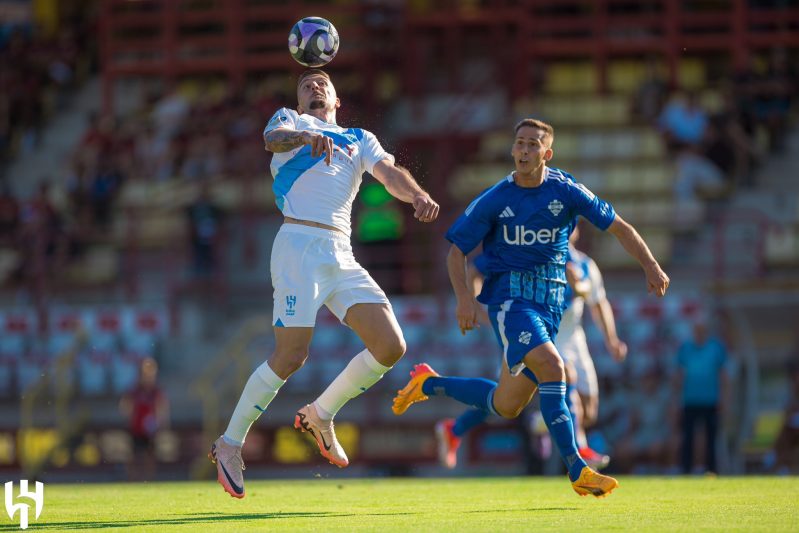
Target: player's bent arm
{"points": [[286, 139], [401, 185], [657, 280], [466, 310]]}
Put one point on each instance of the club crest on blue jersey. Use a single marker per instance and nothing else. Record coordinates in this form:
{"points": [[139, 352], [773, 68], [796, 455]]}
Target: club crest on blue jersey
{"points": [[555, 207]]}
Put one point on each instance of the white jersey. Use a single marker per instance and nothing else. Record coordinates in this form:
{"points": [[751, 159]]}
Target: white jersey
{"points": [[571, 323], [307, 188]]}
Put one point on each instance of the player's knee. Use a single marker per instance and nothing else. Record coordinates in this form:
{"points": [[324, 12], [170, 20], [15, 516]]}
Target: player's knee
{"points": [[551, 368], [390, 350], [285, 364]]}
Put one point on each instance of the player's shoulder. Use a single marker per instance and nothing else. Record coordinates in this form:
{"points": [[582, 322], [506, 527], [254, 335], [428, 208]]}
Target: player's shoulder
{"points": [[360, 134], [561, 179], [283, 117], [497, 192]]}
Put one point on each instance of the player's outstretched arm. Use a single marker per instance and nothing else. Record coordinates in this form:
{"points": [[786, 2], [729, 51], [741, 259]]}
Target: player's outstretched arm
{"points": [[657, 281], [602, 313], [286, 139], [466, 307], [401, 185]]}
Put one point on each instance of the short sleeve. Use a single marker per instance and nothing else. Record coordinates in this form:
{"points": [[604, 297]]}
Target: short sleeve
{"points": [[597, 211], [284, 118], [473, 225], [372, 152]]}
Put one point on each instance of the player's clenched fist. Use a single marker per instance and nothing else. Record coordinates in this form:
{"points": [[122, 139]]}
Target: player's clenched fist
{"points": [[424, 208], [657, 281]]}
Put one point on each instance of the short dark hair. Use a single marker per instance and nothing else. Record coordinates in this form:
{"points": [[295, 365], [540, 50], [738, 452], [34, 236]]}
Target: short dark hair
{"points": [[548, 130], [313, 72]]}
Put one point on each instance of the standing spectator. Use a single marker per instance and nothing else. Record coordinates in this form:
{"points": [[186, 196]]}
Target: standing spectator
{"points": [[205, 226], [147, 409], [703, 382]]}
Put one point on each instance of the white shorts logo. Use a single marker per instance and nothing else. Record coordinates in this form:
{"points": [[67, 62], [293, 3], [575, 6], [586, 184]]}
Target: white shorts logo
{"points": [[12, 508], [291, 303]]}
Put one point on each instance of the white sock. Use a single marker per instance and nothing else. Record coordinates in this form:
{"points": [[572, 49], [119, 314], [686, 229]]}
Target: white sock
{"points": [[360, 374], [259, 391]]}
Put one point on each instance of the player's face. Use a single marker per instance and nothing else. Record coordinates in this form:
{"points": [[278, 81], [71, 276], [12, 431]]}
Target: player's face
{"points": [[317, 92], [531, 149]]}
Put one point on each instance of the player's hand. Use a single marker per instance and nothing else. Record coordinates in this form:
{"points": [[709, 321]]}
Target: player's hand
{"points": [[466, 313], [657, 281], [320, 144], [424, 208], [617, 350]]}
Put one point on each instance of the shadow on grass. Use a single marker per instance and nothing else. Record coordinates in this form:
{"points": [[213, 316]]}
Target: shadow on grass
{"points": [[200, 518]]}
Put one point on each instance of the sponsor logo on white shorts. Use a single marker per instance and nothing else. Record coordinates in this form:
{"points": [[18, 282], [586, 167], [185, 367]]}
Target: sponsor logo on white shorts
{"points": [[291, 303]]}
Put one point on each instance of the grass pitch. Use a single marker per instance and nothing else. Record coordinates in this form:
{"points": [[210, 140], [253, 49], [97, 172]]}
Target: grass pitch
{"points": [[421, 505]]}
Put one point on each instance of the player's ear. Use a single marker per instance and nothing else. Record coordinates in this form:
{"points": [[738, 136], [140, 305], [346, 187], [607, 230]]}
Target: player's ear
{"points": [[548, 154], [338, 102]]}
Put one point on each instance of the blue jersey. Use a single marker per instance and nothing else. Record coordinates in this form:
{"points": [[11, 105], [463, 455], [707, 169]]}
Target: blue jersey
{"points": [[525, 236]]}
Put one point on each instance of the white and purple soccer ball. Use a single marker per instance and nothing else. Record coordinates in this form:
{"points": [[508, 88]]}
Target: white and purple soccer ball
{"points": [[313, 42]]}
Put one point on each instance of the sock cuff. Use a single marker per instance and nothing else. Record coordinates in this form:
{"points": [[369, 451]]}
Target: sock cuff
{"points": [[557, 388], [268, 376], [373, 364]]}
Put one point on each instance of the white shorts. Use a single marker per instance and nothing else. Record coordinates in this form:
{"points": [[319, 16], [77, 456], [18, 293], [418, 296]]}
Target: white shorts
{"points": [[312, 267], [574, 350]]}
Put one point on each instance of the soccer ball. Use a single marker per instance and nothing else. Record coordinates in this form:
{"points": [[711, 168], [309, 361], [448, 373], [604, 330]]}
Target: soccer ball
{"points": [[313, 42]]}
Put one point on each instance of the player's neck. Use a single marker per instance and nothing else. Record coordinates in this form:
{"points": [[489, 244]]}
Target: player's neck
{"points": [[323, 114], [530, 179]]}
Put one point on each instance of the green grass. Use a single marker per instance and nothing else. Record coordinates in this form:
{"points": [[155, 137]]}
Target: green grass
{"points": [[508, 505]]}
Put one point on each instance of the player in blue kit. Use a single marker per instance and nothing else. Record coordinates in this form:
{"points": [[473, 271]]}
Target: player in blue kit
{"points": [[524, 222]]}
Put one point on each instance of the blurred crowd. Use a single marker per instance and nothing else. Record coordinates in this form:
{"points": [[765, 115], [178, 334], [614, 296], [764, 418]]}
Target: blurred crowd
{"points": [[717, 145]]}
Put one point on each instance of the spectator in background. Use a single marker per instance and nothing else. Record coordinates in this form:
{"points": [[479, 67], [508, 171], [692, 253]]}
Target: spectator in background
{"points": [[787, 445], [683, 121], [703, 382], [147, 409], [205, 227]]}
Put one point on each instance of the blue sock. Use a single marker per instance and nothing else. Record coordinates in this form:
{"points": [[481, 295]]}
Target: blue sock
{"points": [[477, 392], [570, 406], [557, 418], [468, 420]]}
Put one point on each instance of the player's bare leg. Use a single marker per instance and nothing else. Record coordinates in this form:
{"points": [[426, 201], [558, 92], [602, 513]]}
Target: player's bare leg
{"points": [[377, 327], [291, 350]]}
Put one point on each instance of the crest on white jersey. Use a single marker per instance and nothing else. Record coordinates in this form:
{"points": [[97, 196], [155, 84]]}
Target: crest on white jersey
{"points": [[555, 207], [507, 213]]}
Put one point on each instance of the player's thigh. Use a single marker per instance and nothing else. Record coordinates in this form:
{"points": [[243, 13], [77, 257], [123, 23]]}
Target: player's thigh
{"points": [[513, 393], [379, 330], [291, 350]]}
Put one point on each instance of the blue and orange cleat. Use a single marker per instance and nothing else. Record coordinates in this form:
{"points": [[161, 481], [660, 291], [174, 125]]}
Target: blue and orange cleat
{"points": [[412, 392], [593, 483]]}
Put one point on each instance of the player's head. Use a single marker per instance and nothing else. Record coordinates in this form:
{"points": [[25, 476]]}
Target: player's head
{"points": [[315, 91], [148, 371], [532, 146]]}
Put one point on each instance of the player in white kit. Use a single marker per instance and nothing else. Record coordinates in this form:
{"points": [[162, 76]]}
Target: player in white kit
{"points": [[573, 346], [317, 167]]}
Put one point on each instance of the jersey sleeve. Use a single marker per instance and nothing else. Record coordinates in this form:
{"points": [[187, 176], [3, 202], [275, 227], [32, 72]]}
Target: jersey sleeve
{"points": [[284, 118], [372, 152], [597, 211], [473, 225], [597, 292]]}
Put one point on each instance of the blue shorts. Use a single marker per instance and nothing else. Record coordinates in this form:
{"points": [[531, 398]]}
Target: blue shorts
{"points": [[520, 327]]}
